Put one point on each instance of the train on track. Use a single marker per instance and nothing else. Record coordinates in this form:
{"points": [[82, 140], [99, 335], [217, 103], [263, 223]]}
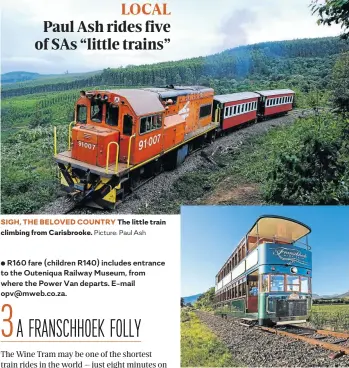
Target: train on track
{"points": [[267, 278], [119, 138]]}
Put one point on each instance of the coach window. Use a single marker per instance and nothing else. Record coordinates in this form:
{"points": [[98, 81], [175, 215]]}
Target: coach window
{"points": [[112, 115], [231, 111], [205, 110], [234, 110], [96, 111], [276, 282], [81, 114], [292, 283], [238, 109]]}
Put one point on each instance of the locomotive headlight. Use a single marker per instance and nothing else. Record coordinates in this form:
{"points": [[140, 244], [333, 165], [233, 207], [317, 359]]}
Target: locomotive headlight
{"points": [[294, 269]]}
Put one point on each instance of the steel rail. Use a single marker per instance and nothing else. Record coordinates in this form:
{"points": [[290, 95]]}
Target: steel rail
{"points": [[330, 346]]}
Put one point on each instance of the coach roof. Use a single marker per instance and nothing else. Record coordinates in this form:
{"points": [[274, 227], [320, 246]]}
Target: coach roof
{"points": [[236, 97], [275, 92]]}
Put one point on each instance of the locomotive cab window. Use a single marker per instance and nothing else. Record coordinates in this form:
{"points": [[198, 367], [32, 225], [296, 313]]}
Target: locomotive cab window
{"points": [[96, 111], [150, 123], [205, 110], [127, 125], [81, 114], [112, 115]]}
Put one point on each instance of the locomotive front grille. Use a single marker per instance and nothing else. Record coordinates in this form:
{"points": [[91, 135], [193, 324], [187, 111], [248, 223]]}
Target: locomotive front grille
{"points": [[291, 308]]}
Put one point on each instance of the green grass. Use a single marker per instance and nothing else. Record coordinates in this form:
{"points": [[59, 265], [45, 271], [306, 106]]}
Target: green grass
{"points": [[330, 316], [200, 347]]}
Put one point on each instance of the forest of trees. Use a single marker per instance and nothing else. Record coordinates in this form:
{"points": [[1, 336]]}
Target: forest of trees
{"points": [[305, 63]]}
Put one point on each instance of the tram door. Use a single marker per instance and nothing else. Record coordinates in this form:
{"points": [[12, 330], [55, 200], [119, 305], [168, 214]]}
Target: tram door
{"points": [[252, 289]]}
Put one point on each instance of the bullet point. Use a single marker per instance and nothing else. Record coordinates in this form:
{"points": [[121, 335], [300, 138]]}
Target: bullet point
{"points": [[3, 263]]}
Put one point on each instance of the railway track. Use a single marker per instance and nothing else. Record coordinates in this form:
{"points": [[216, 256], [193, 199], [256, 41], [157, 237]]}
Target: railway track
{"points": [[254, 347], [338, 342]]}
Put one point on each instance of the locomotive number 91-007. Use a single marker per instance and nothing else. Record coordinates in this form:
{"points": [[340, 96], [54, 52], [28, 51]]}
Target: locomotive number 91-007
{"points": [[144, 143], [87, 145]]}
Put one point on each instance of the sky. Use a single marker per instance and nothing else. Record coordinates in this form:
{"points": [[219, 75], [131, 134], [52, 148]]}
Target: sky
{"points": [[198, 28], [211, 233]]}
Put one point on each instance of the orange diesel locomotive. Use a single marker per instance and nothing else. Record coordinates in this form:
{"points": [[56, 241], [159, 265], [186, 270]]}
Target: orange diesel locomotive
{"points": [[121, 136]]}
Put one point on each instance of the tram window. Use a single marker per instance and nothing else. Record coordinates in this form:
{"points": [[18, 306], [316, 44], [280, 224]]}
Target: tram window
{"points": [[265, 283], [112, 115], [81, 116], [96, 111], [292, 283], [304, 284], [253, 288], [234, 110], [276, 282]]}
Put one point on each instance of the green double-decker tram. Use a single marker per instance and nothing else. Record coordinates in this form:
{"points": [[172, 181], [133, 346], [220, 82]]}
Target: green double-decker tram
{"points": [[268, 276]]}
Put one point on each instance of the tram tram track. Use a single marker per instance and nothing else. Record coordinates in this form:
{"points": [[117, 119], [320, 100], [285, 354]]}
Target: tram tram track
{"points": [[254, 347], [330, 340]]}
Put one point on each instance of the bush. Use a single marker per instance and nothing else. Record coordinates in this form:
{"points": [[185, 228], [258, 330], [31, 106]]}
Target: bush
{"points": [[310, 166]]}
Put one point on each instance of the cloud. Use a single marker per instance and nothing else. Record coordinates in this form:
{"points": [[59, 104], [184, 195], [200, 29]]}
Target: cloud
{"points": [[195, 31], [234, 31]]}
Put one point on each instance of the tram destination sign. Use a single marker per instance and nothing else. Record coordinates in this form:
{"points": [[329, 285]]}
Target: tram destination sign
{"points": [[291, 255], [278, 254]]}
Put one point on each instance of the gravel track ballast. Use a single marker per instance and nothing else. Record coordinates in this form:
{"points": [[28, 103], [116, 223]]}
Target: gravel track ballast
{"points": [[256, 348]]}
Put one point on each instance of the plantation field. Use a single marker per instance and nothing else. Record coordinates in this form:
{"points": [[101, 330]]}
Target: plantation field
{"points": [[200, 347], [334, 317]]}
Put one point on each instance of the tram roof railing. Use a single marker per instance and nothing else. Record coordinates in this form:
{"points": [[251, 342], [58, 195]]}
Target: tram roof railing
{"points": [[278, 227]]}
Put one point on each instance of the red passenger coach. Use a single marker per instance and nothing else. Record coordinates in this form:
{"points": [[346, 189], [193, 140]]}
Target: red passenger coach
{"points": [[273, 102], [236, 108]]}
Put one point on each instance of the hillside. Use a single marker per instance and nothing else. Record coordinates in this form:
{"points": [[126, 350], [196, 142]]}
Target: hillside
{"points": [[305, 64], [14, 77], [191, 299]]}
